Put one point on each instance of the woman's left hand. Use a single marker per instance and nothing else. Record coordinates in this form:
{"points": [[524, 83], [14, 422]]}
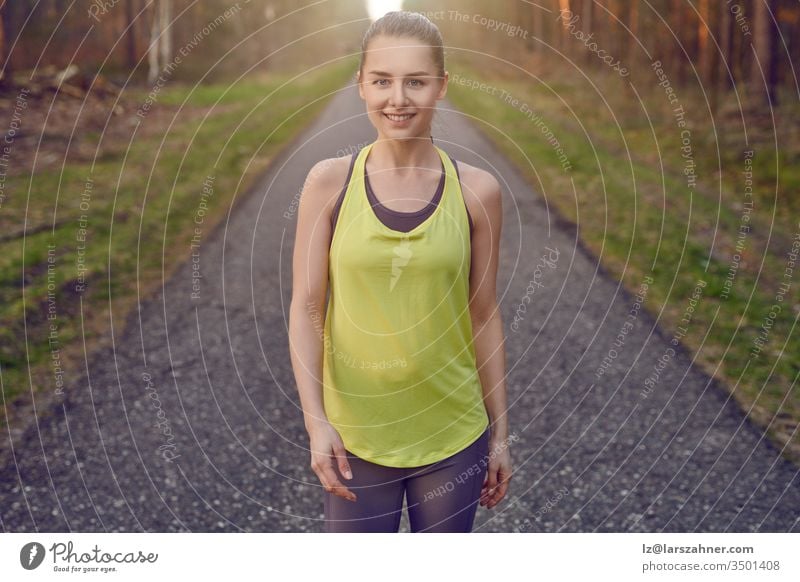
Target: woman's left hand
{"points": [[498, 475]]}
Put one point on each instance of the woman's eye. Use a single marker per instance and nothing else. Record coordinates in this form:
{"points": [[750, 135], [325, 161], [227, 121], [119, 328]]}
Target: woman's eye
{"points": [[414, 82]]}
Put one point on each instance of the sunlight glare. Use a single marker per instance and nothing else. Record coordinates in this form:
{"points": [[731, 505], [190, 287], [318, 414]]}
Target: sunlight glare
{"points": [[378, 8]]}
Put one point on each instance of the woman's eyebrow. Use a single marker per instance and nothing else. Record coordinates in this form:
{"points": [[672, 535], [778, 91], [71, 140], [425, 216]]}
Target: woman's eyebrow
{"points": [[414, 74]]}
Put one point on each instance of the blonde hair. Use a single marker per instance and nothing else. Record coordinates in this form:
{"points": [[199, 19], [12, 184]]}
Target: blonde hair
{"points": [[403, 23]]}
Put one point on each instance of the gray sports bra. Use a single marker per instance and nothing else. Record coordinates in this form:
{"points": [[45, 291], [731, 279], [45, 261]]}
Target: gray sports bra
{"points": [[395, 219]]}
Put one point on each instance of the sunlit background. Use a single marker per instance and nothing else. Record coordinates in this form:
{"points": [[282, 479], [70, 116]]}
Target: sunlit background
{"points": [[378, 8]]}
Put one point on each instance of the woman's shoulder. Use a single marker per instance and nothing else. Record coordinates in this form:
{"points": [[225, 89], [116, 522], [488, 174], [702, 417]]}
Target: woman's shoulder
{"points": [[479, 187], [326, 179]]}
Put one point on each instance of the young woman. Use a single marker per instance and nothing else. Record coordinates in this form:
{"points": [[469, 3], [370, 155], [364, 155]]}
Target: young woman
{"points": [[402, 387]]}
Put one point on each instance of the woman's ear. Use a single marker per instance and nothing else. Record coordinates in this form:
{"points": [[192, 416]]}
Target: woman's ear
{"points": [[443, 90], [358, 83]]}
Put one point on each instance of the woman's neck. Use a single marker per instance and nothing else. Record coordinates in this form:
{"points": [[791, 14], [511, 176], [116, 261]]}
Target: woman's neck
{"points": [[403, 156]]}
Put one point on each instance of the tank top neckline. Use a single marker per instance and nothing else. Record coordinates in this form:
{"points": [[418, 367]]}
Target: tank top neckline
{"points": [[395, 222], [430, 215], [429, 207]]}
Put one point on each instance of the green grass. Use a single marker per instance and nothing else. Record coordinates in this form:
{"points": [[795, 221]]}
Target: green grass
{"points": [[151, 182], [643, 226]]}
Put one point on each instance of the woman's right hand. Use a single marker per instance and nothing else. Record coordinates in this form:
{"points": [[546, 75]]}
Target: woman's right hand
{"points": [[326, 444]]}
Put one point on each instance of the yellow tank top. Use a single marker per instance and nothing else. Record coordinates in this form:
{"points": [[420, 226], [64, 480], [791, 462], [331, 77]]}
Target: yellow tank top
{"points": [[400, 382]]}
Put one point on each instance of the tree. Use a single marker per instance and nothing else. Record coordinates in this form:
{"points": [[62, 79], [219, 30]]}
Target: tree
{"points": [[564, 12], [160, 50], [726, 48], [130, 17], [6, 30], [678, 46], [587, 10], [5, 72], [763, 73], [708, 27]]}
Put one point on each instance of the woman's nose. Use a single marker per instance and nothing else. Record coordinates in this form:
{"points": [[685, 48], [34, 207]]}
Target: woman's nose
{"points": [[399, 94]]}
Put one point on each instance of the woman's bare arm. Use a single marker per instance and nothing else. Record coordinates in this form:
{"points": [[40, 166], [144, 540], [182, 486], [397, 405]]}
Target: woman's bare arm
{"points": [[309, 289], [485, 200], [307, 317], [487, 324]]}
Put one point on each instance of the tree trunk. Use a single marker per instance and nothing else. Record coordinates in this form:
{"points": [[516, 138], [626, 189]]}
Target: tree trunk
{"points": [[763, 72], [613, 34], [166, 34], [703, 41], [677, 46], [563, 33], [152, 52], [160, 50], [587, 16], [628, 39], [130, 17], [726, 47], [538, 28], [525, 18], [587, 10], [708, 27], [7, 78]]}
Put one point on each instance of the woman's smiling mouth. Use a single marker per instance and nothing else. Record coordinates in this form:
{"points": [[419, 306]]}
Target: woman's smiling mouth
{"points": [[398, 119]]}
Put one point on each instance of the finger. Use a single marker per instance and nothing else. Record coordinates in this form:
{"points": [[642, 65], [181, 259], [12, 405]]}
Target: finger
{"points": [[338, 489], [498, 496], [333, 485], [341, 458], [489, 484], [503, 487], [491, 478], [486, 482], [485, 497], [491, 499]]}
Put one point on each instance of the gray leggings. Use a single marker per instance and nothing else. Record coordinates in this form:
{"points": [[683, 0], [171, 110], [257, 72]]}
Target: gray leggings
{"points": [[441, 497]]}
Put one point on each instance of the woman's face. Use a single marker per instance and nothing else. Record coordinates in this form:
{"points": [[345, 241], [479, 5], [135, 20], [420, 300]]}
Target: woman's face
{"points": [[400, 78]]}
